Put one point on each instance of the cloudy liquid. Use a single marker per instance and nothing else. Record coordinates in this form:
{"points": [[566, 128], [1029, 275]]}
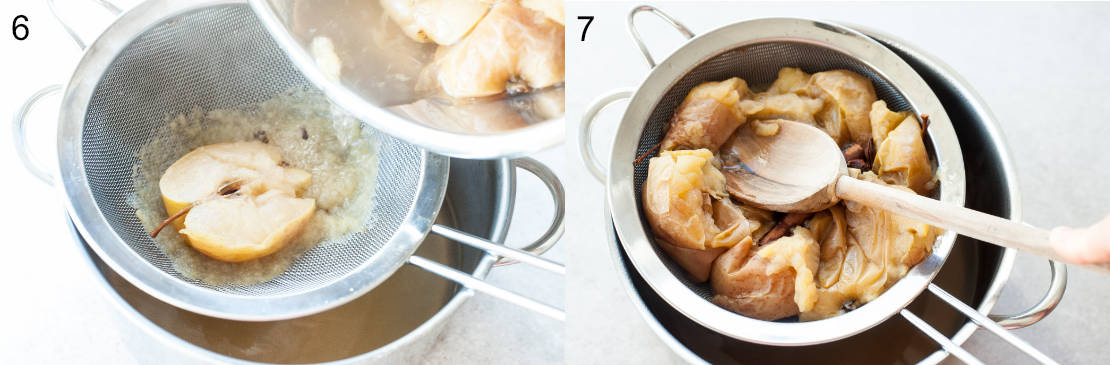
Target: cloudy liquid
{"points": [[340, 154]]}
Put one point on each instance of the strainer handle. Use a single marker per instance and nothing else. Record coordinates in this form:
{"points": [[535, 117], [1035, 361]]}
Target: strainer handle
{"points": [[527, 254], [997, 324], [112, 8], [499, 250], [585, 131], [990, 325], [636, 34], [477, 284], [19, 134], [1047, 304], [944, 342]]}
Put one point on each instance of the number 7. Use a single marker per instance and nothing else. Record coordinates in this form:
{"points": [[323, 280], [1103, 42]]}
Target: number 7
{"points": [[589, 20]]}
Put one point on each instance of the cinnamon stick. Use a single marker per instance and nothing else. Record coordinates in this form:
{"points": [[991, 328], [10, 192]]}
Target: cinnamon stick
{"points": [[857, 156], [924, 124], [784, 225]]}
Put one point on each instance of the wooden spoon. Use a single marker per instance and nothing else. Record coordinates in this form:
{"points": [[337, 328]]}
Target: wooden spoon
{"points": [[801, 169]]}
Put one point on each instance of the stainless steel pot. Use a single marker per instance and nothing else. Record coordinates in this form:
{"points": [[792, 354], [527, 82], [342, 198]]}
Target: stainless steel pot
{"points": [[755, 50], [480, 203], [974, 272]]}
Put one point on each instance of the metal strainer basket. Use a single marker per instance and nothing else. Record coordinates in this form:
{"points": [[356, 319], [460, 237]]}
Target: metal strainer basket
{"points": [[755, 50], [165, 57]]}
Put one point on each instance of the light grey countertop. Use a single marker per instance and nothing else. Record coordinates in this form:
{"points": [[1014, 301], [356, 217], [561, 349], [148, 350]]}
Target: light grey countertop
{"points": [[1041, 68]]}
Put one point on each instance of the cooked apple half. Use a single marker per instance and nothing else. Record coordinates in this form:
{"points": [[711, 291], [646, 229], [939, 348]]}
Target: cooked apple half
{"points": [[513, 49], [243, 203]]}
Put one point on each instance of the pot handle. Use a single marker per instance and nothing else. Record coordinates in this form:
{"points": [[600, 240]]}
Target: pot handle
{"points": [[527, 254], [986, 323], [1047, 304], [19, 134], [558, 195], [996, 324], [585, 131], [636, 34], [111, 8]]}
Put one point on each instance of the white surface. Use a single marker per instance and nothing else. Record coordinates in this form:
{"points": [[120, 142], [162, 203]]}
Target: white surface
{"points": [[53, 313], [1040, 67]]}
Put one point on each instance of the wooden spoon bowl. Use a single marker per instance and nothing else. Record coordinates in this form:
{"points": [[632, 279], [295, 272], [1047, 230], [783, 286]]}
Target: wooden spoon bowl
{"points": [[794, 171]]}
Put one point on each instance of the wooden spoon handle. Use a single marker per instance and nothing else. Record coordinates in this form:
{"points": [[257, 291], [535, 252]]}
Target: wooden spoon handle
{"points": [[974, 224]]}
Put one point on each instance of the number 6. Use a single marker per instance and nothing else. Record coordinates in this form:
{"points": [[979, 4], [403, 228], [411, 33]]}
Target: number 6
{"points": [[16, 26]]}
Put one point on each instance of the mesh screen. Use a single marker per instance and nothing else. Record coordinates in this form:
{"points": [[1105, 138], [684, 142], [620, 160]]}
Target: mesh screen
{"points": [[758, 64], [220, 57]]}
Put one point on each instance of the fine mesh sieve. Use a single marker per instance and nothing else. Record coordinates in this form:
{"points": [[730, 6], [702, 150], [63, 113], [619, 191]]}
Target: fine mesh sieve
{"points": [[166, 57], [758, 64], [219, 58], [755, 50]]}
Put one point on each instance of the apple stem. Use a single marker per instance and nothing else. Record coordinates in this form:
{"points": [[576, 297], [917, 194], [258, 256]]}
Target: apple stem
{"points": [[179, 213]]}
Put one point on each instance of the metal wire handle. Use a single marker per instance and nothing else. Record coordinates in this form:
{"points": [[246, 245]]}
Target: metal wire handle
{"points": [[477, 284], [636, 34], [19, 134], [978, 318], [939, 338], [990, 325], [19, 122], [526, 255], [585, 131], [1058, 284], [558, 194], [111, 8]]}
